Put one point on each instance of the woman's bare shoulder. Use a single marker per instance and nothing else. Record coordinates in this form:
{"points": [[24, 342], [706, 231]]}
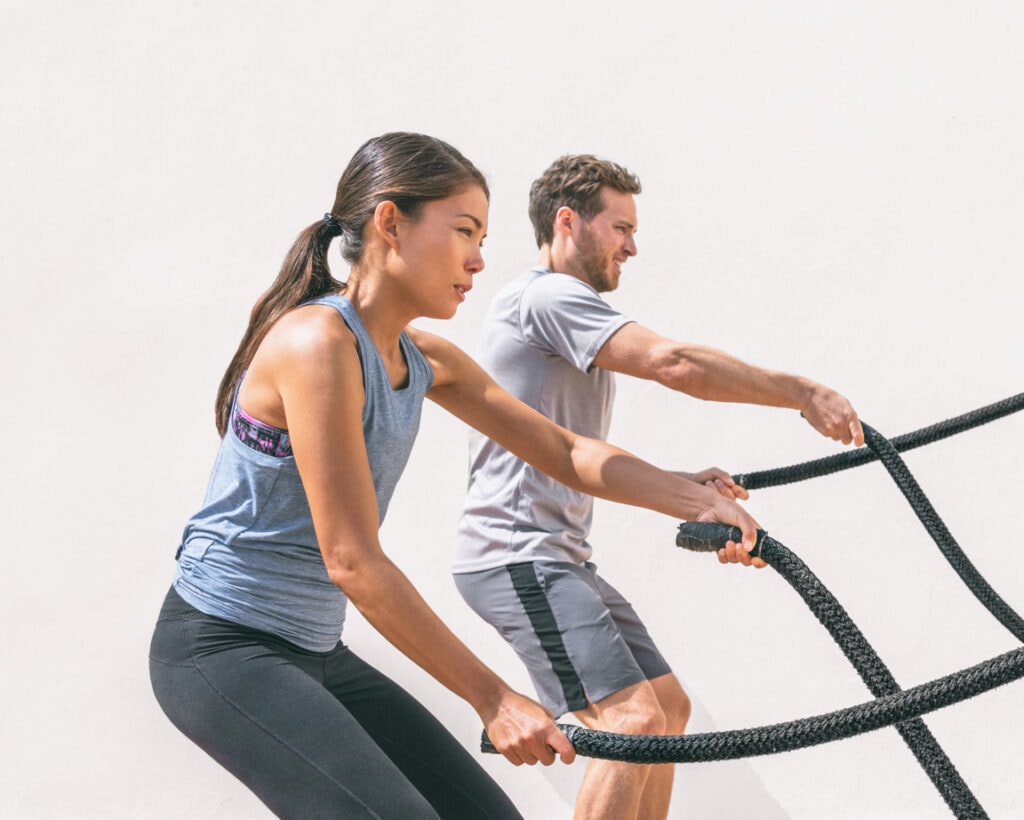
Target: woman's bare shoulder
{"points": [[446, 358]]}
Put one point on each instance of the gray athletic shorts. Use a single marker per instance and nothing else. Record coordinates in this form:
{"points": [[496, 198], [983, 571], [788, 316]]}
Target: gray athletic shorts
{"points": [[579, 638]]}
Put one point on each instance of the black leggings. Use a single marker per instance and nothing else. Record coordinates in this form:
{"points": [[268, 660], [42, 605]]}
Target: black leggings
{"points": [[312, 734]]}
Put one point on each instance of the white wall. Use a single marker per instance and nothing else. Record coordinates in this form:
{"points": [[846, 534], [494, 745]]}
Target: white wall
{"points": [[832, 189]]}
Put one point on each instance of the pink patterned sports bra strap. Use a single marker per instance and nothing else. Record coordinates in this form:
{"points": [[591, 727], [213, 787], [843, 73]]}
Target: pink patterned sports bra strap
{"points": [[256, 435]]}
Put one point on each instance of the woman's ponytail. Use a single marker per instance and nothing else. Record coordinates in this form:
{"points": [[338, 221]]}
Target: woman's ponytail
{"points": [[407, 169], [305, 275]]}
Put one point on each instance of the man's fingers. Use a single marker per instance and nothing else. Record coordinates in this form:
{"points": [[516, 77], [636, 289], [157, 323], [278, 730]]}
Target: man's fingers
{"points": [[733, 553]]}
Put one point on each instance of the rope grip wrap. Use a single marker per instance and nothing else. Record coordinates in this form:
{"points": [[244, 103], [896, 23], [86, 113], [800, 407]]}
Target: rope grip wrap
{"points": [[705, 536]]}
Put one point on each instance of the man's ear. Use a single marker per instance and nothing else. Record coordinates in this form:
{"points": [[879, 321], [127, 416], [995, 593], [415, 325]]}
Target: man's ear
{"points": [[565, 219], [385, 222]]}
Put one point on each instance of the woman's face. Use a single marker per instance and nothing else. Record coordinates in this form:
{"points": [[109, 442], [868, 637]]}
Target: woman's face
{"points": [[441, 251]]}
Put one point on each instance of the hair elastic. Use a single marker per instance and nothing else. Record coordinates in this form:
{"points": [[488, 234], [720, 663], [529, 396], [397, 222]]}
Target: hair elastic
{"points": [[332, 224]]}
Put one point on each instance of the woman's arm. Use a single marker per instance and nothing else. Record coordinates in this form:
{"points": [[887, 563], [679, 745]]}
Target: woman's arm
{"points": [[595, 467], [311, 362]]}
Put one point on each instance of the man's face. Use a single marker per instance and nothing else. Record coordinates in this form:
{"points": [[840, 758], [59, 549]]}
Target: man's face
{"points": [[605, 242]]}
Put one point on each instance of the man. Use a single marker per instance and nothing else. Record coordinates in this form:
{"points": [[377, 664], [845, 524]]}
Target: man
{"points": [[522, 556]]}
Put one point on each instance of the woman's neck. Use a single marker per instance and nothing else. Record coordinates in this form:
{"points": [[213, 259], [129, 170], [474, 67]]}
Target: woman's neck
{"points": [[379, 307]]}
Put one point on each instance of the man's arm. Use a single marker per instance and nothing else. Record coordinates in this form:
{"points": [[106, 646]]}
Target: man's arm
{"points": [[713, 375]]}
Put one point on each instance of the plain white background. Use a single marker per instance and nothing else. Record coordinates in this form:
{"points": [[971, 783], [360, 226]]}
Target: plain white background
{"points": [[831, 189]]}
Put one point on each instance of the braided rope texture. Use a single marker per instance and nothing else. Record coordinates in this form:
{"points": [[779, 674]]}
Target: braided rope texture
{"points": [[940, 533], [892, 705], [855, 458], [874, 673], [799, 734]]}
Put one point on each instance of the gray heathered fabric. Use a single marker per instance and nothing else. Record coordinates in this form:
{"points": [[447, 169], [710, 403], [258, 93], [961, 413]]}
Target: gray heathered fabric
{"points": [[538, 342], [250, 555]]}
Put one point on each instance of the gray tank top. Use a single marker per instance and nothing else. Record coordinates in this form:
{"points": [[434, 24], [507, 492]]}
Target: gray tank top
{"points": [[250, 554]]}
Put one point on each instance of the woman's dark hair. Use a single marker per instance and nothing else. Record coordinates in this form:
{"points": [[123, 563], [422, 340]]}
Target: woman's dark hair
{"points": [[407, 169]]}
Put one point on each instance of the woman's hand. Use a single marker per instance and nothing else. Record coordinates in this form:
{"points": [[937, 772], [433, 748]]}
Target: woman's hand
{"points": [[525, 732], [719, 481]]}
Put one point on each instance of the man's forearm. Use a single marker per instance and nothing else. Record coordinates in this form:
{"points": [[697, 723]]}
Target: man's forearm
{"points": [[713, 375]]}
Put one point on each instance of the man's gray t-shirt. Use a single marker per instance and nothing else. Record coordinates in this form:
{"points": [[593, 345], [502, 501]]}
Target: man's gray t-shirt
{"points": [[538, 342]]}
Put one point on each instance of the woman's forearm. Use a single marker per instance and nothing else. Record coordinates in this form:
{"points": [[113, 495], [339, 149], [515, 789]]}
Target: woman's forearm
{"points": [[391, 604], [608, 472]]}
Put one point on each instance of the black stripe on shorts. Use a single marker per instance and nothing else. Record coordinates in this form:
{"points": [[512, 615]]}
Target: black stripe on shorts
{"points": [[532, 597]]}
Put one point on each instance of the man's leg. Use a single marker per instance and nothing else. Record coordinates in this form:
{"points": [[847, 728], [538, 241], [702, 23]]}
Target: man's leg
{"points": [[676, 707], [630, 790], [588, 653], [612, 788]]}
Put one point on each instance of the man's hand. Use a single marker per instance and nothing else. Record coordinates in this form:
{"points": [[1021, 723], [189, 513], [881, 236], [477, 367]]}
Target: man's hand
{"points": [[832, 415], [733, 553], [729, 512], [525, 732], [719, 481]]}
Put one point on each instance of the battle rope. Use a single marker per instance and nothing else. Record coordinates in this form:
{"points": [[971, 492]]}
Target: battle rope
{"points": [[796, 734], [937, 529], [855, 458], [858, 651], [892, 705]]}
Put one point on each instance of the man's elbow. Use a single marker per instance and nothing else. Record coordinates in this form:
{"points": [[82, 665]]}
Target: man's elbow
{"points": [[676, 370]]}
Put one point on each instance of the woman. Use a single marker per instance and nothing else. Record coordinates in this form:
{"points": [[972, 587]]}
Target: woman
{"points": [[318, 411]]}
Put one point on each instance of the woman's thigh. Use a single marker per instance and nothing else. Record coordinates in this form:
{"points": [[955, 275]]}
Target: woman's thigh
{"points": [[259, 707], [423, 749]]}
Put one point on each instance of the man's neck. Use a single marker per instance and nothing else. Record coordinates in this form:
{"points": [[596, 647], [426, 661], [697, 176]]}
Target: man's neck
{"points": [[556, 262]]}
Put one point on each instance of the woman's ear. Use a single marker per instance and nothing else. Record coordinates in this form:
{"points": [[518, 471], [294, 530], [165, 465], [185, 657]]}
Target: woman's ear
{"points": [[385, 222]]}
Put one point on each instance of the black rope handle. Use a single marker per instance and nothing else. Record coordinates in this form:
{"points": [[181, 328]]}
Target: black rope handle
{"points": [[705, 536]]}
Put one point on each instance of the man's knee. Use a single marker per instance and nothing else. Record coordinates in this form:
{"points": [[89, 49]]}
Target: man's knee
{"points": [[677, 715], [675, 703], [632, 711], [650, 720]]}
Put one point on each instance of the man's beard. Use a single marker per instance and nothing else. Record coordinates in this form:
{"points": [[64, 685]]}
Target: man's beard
{"points": [[595, 263]]}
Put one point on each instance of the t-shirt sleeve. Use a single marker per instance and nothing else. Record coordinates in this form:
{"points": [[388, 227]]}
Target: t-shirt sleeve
{"points": [[562, 315]]}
